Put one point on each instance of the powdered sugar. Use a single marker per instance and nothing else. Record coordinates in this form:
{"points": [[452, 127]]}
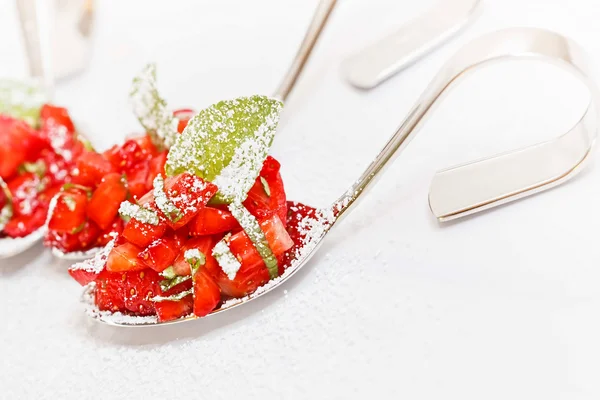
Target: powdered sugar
{"points": [[97, 263], [136, 211], [193, 254], [151, 110], [115, 318], [227, 143], [236, 179], [161, 200], [227, 261]]}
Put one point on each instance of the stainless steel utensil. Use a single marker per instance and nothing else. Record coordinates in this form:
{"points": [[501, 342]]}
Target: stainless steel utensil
{"points": [[316, 27], [466, 189], [385, 58]]}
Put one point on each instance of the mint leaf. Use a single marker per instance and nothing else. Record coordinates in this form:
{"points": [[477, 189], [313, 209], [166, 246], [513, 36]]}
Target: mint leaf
{"points": [[227, 144], [252, 228], [171, 283], [22, 100], [173, 297], [151, 109]]}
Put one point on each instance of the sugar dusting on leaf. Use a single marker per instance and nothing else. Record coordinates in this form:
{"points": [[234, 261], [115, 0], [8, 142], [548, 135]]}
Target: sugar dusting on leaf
{"points": [[252, 228], [227, 144], [22, 100], [151, 109]]}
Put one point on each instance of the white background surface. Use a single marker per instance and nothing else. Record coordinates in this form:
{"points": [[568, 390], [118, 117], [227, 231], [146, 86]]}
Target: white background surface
{"points": [[502, 305]]}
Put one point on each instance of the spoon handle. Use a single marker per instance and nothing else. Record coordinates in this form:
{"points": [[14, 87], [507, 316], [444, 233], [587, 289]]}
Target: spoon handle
{"points": [[490, 182], [30, 29], [385, 58], [317, 25]]}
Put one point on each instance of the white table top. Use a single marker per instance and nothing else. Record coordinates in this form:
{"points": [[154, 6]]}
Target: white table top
{"points": [[504, 304]]}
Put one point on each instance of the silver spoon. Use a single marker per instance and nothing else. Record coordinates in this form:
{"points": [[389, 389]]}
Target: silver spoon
{"points": [[426, 40], [458, 191], [380, 61], [320, 18]]}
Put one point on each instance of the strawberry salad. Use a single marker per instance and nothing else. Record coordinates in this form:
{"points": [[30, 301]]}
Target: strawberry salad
{"points": [[215, 226]]}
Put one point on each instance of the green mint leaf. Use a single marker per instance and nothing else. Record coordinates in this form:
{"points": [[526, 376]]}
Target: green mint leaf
{"points": [[69, 202], [70, 185], [151, 109], [265, 186], [195, 258], [22, 100], [169, 273], [226, 144], [38, 168], [174, 297], [252, 228], [171, 283]]}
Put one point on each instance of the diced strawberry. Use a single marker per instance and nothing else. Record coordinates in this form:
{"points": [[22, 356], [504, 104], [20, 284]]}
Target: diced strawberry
{"points": [[210, 221], [69, 214], [114, 157], [106, 200], [18, 143], [204, 244], [189, 193], [137, 179], [58, 170], [253, 272], [161, 253], [183, 115], [168, 310], [140, 288], [107, 234], [25, 189], [58, 115], [129, 292], [141, 233], [297, 212], [157, 167], [110, 291], [270, 168], [145, 143], [23, 225], [82, 276], [206, 293], [131, 153], [67, 242], [125, 258], [267, 195], [172, 309], [92, 168]]}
